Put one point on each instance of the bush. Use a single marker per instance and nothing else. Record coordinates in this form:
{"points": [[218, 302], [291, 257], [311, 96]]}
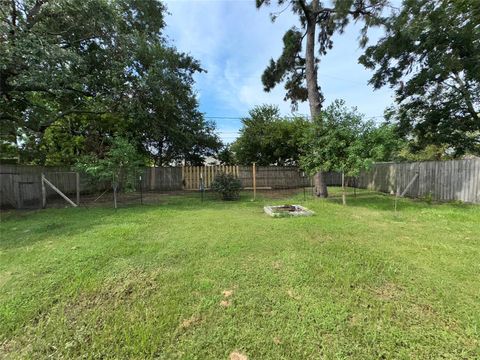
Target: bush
{"points": [[227, 185]]}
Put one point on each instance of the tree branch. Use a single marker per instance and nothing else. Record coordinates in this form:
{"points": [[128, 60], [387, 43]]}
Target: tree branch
{"points": [[34, 11], [74, 111], [467, 97], [304, 7]]}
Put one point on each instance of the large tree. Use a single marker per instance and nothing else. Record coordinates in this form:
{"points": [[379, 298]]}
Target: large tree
{"points": [[341, 140], [430, 55], [298, 69], [89, 69], [266, 138]]}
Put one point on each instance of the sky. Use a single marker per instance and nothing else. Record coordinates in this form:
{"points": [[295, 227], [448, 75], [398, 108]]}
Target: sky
{"points": [[234, 43]]}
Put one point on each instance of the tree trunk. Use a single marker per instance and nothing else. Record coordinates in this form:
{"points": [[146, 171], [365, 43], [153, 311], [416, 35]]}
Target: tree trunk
{"points": [[314, 96], [115, 196], [344, 195]]}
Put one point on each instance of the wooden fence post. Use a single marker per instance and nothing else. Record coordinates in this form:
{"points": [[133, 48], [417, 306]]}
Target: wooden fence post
{"points": [[77, 176], [44, 193], [153, 173], [254, 175]]}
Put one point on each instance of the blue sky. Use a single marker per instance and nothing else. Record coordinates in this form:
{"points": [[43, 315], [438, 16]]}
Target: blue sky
{"points": [[234, 42]]}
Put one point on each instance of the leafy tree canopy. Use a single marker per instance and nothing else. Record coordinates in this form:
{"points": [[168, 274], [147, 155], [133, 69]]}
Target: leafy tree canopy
{"points": [[121, 165], [342, 141], [268, 139], [73, 72], [226, 156], [430, 56]]}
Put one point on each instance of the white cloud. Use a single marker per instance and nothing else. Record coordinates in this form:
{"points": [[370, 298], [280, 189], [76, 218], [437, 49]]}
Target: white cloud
{"points": [[234, 42]]}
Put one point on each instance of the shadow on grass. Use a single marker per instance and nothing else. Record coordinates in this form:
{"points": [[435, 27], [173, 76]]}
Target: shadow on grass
{"points": [[385, 202], [25, 228]]}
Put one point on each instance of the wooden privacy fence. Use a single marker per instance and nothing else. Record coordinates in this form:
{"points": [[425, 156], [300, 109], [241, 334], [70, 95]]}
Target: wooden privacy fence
{"points": [[162, 178], [20, 185], [193, 175], [267, 177], [442, 180], [273, 177]]}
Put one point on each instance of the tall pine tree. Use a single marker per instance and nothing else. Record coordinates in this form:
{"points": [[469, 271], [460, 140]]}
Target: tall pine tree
{"points": [[299, 68]]}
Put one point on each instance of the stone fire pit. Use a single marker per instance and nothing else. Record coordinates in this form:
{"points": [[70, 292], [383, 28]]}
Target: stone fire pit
{"points": [[287, 210]]}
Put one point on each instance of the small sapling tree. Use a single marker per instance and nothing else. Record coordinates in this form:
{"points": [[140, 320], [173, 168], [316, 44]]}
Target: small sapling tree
{"points": [[341, 141], [121, 165]]}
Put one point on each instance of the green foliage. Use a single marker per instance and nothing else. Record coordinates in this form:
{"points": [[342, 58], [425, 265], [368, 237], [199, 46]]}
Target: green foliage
{"points": [[429, 55], [226, 156], [227, 185], [340, 140], [69, 64], [428, 153], [383, 142], [291, 67], [268, 139], [121, 165]]}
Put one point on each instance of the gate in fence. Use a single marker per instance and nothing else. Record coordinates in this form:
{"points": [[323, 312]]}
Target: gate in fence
{"points": [[193, 175]]}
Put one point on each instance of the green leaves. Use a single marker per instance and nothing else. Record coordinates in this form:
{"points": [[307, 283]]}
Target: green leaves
{"points": [[268, 139], [227, 185], [121, 165], [430, 57], [341, 141], [74, 62]]}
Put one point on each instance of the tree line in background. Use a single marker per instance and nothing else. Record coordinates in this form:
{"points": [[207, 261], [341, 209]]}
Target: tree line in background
{"points": [[339, 132], [80, 80]]}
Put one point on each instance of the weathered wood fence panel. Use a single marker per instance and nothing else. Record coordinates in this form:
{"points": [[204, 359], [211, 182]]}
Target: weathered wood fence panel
{"points": [[162, 178], [20, 185], [442, 180]]}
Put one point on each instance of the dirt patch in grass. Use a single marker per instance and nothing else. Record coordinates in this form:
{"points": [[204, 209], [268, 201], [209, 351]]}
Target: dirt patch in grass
{"points": [[389, 291], [191, 321], [277, 340], [293, 294], [130, 285], [237, 356], [227, 293], [225, 303], [354, 320]]}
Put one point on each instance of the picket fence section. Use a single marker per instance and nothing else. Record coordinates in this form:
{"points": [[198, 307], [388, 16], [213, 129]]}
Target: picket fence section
{"points": [[194, 176]]}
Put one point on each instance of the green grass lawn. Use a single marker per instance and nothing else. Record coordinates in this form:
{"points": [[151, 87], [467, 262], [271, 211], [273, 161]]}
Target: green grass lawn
{"points": [[191, 280]]}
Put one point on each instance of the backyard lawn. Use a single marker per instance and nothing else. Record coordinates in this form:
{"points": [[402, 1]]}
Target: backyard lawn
{"points": [[187, 279]]}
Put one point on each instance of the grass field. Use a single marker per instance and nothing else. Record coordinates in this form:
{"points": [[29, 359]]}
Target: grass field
{"points": [[192, 280]]}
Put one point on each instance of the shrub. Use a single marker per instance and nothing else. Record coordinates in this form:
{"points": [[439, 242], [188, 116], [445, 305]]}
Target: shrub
{"points": [[227, 185]]}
